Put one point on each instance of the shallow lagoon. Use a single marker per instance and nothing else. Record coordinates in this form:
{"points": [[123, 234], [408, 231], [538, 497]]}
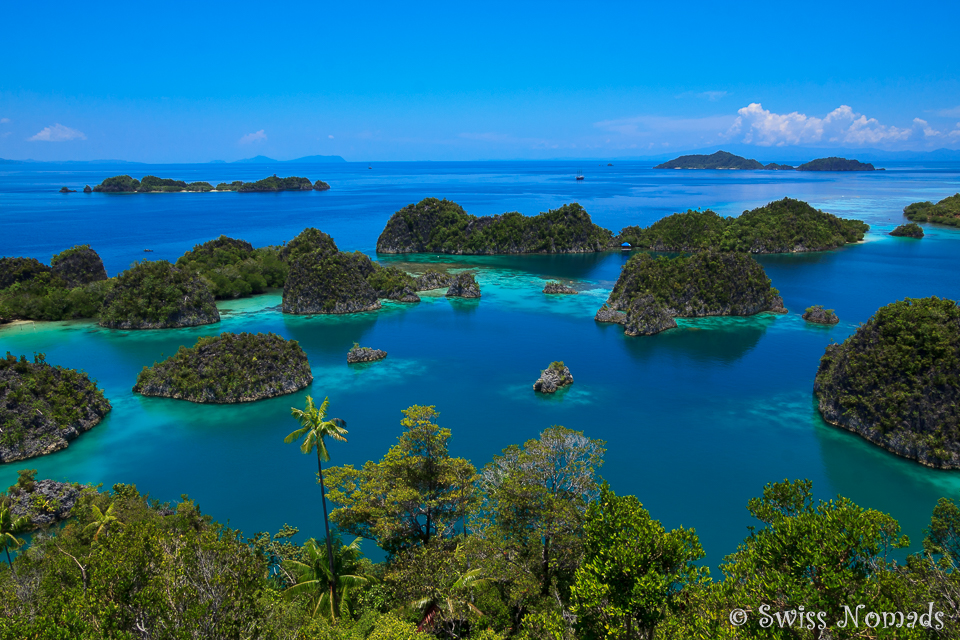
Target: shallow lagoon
{"points": [[696, 419]]}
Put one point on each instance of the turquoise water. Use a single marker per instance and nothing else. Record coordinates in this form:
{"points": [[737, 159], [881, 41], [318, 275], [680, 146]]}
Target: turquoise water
{"points": [[696, 419]]}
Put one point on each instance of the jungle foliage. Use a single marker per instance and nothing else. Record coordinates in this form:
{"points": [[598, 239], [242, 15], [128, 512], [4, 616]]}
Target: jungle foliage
{"points": [[233, 268], [947, 211]]}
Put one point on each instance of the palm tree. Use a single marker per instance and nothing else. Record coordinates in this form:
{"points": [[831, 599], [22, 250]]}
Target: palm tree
{"points": [[10, 526], [449, 599], [314, 427], [102, 520], [329, 589]]}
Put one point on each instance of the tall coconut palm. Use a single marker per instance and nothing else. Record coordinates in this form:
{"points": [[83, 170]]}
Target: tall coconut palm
{"points": [[10, 526], [314, 427], [101, 520], [329, 589]]}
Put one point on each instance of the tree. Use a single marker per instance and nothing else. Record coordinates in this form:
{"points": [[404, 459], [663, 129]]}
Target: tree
{"points": [[327, 587], [10, 526], [314, 427], [102, 519], [633, 570], [415, 493]]}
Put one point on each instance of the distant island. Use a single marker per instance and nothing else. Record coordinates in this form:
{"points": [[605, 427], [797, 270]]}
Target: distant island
{"points": [[442, 226], [893, 381], [947, 211], [303, 160], [835, 164], [153, 184], [909, 230], [229, 368], [783, 226], [718, 160], [43, 407]]}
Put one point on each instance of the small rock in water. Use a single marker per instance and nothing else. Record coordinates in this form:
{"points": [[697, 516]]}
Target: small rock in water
{"points": [[464, 285], [364, 354], [606, 314], [553, 377], [818, 315], [433, 279], [557, 287]]}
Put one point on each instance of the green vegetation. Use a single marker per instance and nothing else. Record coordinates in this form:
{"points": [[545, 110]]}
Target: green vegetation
{"points": [[896, 381], [322, 282], [909, 230], [43, 406], [703, 284], [118, 184], [783, 226], [153, 184], [835, 164], [392, 283], [231, 367], [442, 226], [308, 241], [947, 211], [75, 287], [157, 295], [718, 160], [271, 183], [233, 268]]}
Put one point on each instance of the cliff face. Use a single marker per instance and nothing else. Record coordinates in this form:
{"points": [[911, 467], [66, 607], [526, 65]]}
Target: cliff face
{"points": [[895, 381], [43, 408], [335, 283], [441, 226], [229, 368], [79, 266], [158, 295]]}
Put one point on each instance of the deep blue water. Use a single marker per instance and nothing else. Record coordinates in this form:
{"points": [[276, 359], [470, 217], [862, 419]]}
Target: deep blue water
{"points": [[696, 419]]}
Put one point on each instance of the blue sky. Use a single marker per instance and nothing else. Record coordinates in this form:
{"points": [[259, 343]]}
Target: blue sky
{"points": [[192, 82]]}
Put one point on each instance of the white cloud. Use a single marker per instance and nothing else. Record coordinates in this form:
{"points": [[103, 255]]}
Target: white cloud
{"points": [[4, 120], [949, 113], [258, 136], [712, 96], [330, 136], [955, 133], [842, 125], [928, 131], [57, 133]]}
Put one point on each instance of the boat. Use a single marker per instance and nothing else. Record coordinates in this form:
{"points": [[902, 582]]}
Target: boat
{"points": [[148, 250], [579, 175]]}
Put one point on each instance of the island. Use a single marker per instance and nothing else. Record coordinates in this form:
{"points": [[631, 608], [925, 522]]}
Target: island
{"points": [[782, 226], [893, 382], [229, 368], [464, 285], [773, 166], [947, 211], [718, 160], [274, 183], [43, 407], [393, 284], [442, 226], [320, 185], [153, 184], [74, 287], [43, 502], [67, 190], [835, 164], [308, 241], [554, 286], [78, 266], [433, 279], [87, 189], [909, 230], [707, 283], [818, 315], [358, 354], [232, 268], [330, 283], [14, 270], [158, 295], [553, 377]]}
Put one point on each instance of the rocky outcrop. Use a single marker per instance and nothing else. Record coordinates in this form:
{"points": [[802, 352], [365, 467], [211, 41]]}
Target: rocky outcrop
{"points": [[67, 190], [43, 407], [158, 295], [558, 287], [308, 241], [606, 314], [432, 279], [79, 266], [552, 378], [893, 381], [464, 285], [364, 354], [87, 189], [320, 185], [44, 502], [229, 368], [818, 315], [645, 318], [337, 283], [442, 226], [909, 230]]}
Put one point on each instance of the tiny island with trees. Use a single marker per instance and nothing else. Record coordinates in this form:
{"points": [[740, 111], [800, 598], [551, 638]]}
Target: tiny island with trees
{"points": [[153, 184], [726, 160]]}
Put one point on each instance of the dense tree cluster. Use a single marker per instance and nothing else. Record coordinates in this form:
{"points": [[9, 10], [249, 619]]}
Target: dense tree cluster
{"points": [[718, 160], [158, 295], [947, 211], [74, 287], [835, 164], [233, 268]]}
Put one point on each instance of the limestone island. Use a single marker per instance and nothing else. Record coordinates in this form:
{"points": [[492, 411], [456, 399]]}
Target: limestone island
{"points": [[330, 283], [464, 285], [442, 226], [718, 160], [158, 295], [909, 230], [773, 166], [947, 211], [782, 226], [835, 164], [44, 502], [358, 354], [433, 279], [651, 292], [229, 368], [818, 315], [73, 287], [232, 268], [153, 184], [43, 407], [554, 286], [67, 190], [553, 377], [87, 189], [894, 381], [393, 284], [272, 183]]}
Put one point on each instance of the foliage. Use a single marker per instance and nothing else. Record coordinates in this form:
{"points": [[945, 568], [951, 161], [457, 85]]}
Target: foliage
{"points": [[271, 183], [157, 295], [416, 493], [74, 287], [330, 283], [782, 226], [14, 270], [718, 160], [633, 570], [118, 184], [835, 164], [308, 241], [324, 586], [391, 282], [155, 184], [233, 268], [442, 226], [909, 230], [899, 377], [947, 211]]}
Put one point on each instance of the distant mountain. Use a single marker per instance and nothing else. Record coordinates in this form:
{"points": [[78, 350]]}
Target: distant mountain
{"points": [[5, 161], [718, 160], [303, 160], [255, 160]]}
